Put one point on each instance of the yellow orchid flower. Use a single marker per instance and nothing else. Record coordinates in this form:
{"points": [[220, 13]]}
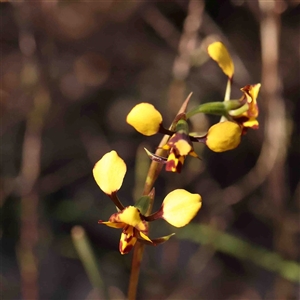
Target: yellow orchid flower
{"points": [[130, 221], [247, 118], [179, 146], [148, 121], [178, 208], [247, 114]]}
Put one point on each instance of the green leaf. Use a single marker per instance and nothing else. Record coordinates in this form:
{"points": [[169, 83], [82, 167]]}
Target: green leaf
{"points": [[231, 245]]}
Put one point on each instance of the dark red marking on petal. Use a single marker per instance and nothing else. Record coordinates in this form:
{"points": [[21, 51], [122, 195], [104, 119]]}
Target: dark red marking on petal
{"points": [[126, 249]]}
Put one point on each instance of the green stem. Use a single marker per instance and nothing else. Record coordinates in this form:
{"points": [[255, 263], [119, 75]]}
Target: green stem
{"points": [[239, 111], [216, 108], [236, 247], [88, 259]]}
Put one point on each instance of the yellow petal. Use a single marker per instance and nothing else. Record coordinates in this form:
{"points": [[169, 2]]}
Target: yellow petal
{"points": [[183, 147], [131, 216], [109, 172], [252, 123], [112, 224], [127, 240], [174, 162], [223, 136], [145, 119], [218, 52], [180, 207], [145, 237], [252, 91]]}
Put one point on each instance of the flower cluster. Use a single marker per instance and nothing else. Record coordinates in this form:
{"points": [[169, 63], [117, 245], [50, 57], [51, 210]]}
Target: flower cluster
{"points": [[180, 206], [246, 111], [237, 116]]}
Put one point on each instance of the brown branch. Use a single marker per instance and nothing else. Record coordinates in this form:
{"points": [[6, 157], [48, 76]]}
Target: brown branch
{"points": [[187, 45], [38, 94], [163, 27]]}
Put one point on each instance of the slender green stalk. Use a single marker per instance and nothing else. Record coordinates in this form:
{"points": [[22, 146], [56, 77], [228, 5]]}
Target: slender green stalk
{"points": [[217, 108], [234, 246], [227, 96], [88, 259]]}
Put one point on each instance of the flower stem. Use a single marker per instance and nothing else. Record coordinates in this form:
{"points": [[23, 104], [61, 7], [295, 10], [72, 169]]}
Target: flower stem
{"points": [[152, 175], [135, 270], [138, 251]]}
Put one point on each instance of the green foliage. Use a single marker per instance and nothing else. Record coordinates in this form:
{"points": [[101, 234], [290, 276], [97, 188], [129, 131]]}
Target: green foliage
{"points": [[236, 247]]}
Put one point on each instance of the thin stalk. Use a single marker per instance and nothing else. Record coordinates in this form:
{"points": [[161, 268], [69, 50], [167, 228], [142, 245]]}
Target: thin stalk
{"points": [[227, 96], [227, 243], [88, 259], [152, 175], [216, 108]]}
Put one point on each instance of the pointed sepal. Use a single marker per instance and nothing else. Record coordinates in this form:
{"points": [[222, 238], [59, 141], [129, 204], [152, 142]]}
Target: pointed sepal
{"points": [[157, 158]]}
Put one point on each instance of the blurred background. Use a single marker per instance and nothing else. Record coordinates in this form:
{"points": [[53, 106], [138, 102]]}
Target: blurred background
{"points": [[70, 73]]}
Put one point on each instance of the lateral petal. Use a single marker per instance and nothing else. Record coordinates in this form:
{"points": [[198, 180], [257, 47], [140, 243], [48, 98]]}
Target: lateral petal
{"points": [[109, 172]]}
